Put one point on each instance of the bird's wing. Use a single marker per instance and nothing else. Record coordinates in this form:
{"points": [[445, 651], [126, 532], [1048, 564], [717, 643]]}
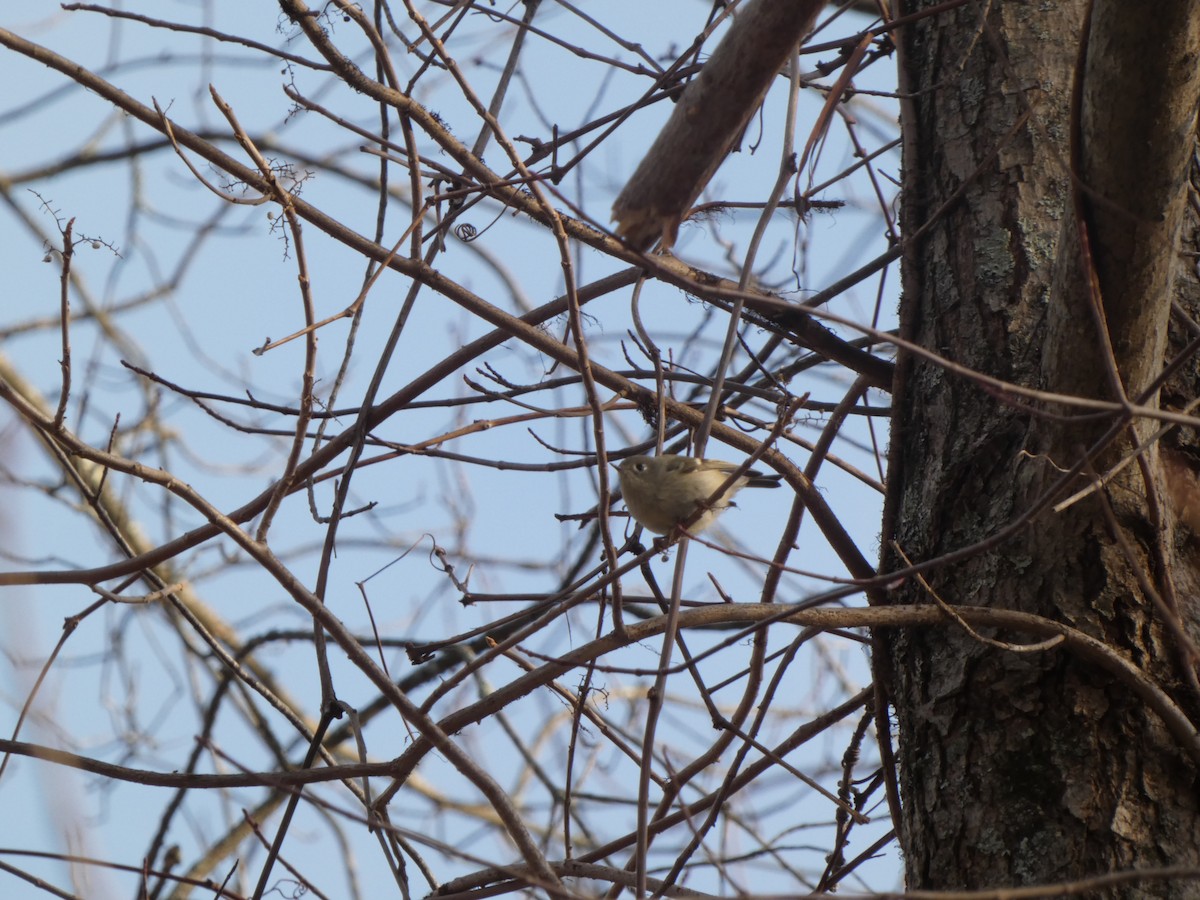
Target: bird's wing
{"points": [[718, 464]]}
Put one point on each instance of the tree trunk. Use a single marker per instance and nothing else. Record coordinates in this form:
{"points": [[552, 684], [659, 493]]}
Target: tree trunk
{"points": [[1021, 768]]}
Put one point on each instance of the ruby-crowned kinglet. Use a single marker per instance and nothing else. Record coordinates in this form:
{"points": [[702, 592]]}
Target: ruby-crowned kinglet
{"points": [[661, 491]]}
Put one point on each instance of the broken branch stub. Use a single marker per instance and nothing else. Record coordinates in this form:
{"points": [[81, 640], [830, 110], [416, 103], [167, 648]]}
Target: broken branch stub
{"points": [[708, 119]]}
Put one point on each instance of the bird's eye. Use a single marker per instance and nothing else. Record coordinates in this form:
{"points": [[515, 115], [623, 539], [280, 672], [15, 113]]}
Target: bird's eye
{"points": [[641, 467]]}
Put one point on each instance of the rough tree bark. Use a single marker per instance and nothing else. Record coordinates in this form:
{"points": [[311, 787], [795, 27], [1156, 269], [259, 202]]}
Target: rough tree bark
{"points": [[1035, 768]]}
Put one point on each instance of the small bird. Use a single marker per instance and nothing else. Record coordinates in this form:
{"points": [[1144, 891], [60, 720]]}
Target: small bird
{"points": [[662, 491]]}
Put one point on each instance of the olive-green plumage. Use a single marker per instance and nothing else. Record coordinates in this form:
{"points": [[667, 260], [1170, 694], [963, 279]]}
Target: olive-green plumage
{"points": [[662, 491]]}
